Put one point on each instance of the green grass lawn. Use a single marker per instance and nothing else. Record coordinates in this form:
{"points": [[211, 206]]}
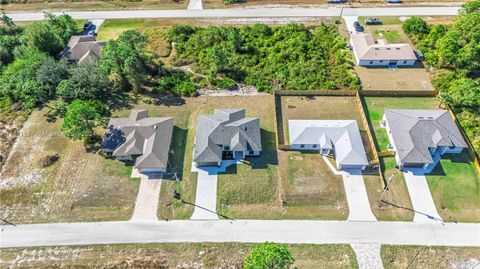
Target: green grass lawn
{"points": [[397, 193], [386, 20], [392, 36], [455, 186], [375, 107]]}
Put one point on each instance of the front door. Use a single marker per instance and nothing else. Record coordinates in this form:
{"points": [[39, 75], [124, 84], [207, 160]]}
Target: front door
{"points": [[238, 154]]}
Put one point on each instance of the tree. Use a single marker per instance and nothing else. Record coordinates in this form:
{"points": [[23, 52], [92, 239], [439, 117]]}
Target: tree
{"points": [[80, 119], [38, 36], [470, 7], [123, 60], [269, 256], [9, 39], [415, 26], [87, 82], [50, 73], [18, 81]]}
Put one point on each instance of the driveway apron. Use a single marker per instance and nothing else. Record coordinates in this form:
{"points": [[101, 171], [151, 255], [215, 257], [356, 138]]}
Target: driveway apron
{"points": [[422, 201]]}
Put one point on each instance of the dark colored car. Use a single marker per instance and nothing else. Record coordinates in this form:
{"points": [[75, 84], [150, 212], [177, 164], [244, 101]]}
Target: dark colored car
{"points": [[419, 55], [87, 25], [336, 1], [372, 21], [394, 1], [357, 26]]}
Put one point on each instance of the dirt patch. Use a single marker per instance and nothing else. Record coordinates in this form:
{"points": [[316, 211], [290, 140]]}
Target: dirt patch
{"points": [[394, 79], [80, 186]]}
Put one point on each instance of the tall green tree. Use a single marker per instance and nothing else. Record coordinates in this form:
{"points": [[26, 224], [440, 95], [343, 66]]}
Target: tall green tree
{"points": [[124, 60], [80, 119], [50, 73], [269, 256], [9, 39]]}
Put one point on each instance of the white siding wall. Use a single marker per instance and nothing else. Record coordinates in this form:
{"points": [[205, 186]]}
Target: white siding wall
{"points": [[385, 63], [306, 147]]}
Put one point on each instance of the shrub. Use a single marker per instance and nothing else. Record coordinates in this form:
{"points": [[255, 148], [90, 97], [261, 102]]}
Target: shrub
{"points": [[225, 83], [48, 160], [269, 256]]}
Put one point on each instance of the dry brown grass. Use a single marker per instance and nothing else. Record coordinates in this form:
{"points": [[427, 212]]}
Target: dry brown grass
{"points": [[80, 186], [186, 255], [309, 188], [398, 79], [429, 257]]}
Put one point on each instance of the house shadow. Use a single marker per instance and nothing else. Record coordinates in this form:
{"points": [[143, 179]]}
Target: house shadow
{"points": [[269, 152], [176, 158]]}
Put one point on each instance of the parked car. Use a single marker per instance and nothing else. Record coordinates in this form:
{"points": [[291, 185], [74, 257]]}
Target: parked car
{"points": [[92, 32], [394, 1], [87, 25], [419, 55], [336, 1], [357, 26], [372, 21]]}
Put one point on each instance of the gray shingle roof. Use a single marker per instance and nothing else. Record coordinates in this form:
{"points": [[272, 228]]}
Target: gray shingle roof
{"points": [[367, 49], [342, 135], [415, 131], [149, 138], [81, 48], [225, 127]]}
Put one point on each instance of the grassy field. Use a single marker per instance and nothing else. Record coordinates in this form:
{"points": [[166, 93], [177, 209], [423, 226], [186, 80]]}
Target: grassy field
{"points": [[80, 186], [375, 107], [429, 257], [179, 255], [455, 187], [94, 5], [397, 194], [309, 189]]}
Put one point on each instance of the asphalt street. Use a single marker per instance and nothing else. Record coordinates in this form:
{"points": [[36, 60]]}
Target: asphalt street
{"points": [[245, 13], [281, 231]]}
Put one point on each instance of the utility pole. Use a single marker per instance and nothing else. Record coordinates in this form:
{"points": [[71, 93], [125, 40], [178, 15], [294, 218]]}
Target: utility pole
{"points": [[385, 190]]}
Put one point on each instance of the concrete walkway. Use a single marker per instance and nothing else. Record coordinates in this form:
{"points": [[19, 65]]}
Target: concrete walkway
{"points": [[195, 4], [357, 198], [146, 204], [422, 200], [206, 195], [368, 256], [252, 231]]}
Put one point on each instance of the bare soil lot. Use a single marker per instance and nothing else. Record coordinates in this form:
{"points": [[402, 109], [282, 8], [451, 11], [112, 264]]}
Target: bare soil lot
{"points": [[198, 255], [394, 79], [80, 186], [430, 257]]}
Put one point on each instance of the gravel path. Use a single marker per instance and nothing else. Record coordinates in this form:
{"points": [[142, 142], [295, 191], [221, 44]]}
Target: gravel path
{"points": [[368, 256]]}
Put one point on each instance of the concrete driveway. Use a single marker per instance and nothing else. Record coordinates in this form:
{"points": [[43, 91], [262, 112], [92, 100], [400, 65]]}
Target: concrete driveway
{"points": [[195, 4], [357, 198], [422, 201], [146, 203], [206, 195], [349, 20]]}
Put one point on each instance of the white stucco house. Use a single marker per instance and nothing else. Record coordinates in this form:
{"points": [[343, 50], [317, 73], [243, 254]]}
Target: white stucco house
{"points": [[420, 137], [340, 138], [369, 53]]}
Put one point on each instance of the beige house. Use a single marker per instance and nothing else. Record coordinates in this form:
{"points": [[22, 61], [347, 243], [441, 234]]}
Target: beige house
{"points": [[380, 53], [81, 48]]}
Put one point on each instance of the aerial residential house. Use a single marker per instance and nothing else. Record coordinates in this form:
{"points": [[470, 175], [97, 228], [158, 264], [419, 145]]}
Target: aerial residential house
{"points": [[420, 137], [370, 53], [144, 141], [340, 138], [226, 135], [81, 48]]}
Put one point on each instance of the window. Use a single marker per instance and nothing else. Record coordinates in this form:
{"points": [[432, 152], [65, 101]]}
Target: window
{"points": [[251, 152], [314, 146], [302, 146], [404, 62], [227, 147], [371, 62], [381, 61]]}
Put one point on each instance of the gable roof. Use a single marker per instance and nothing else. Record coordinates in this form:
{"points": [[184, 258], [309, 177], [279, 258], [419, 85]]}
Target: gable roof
{"points": [[415, 131], [366, 49], [225, 127], [80, 48], [341, 135], [138, 135]]}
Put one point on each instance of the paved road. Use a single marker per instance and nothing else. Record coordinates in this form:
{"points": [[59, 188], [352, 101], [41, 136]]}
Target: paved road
{"points": [[422, 200], [357, 198], [281, 231], [246, 13]]}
